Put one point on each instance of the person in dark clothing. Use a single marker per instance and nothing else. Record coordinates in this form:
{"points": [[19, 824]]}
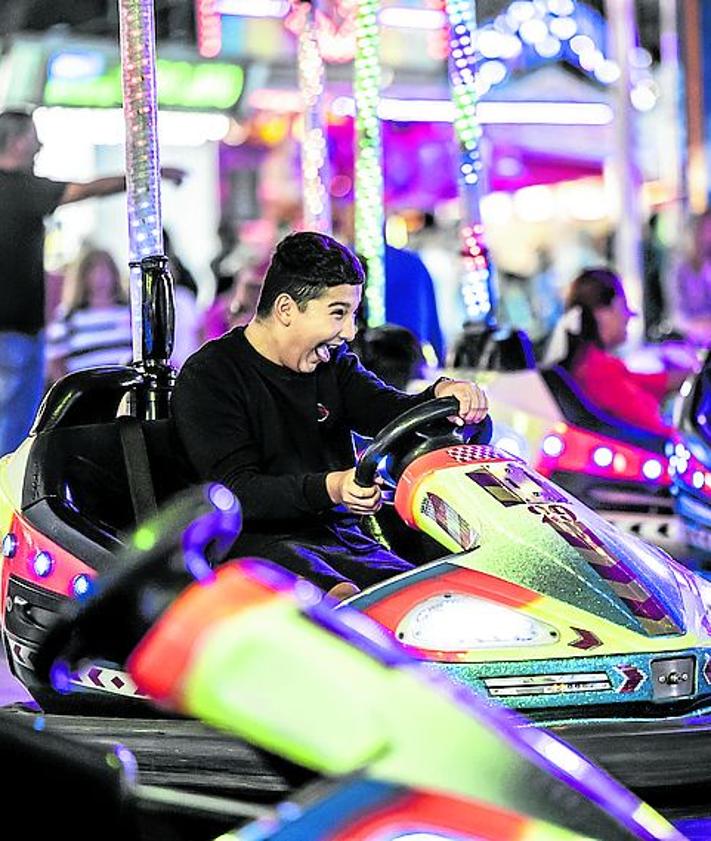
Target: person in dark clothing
{"points": [[268, 410], [25, 200]]}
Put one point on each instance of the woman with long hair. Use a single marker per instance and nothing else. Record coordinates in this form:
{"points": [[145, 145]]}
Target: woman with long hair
{"points": [[92, 325], [593, 326]]}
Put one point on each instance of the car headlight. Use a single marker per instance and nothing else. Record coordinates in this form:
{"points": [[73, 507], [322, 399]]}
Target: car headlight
{"points": [[456, 622]]}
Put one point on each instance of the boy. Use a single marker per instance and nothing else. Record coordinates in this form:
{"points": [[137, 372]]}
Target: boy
{"points": [[268, 411]]}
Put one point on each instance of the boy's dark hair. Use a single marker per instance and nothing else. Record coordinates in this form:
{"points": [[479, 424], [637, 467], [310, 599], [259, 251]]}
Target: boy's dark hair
{"points": [[303, 266], [14, 122]]}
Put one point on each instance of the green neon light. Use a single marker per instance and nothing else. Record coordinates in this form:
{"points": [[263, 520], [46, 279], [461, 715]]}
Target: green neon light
{"points": [[180, 85]]}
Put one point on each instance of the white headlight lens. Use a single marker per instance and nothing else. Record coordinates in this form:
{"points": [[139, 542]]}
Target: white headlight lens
{"points": [[456, 622]]}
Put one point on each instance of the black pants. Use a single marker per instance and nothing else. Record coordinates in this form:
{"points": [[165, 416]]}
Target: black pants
{"points": [[326, 554]]}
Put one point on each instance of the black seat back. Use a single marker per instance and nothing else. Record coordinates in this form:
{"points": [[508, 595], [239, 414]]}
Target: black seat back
{"points": [[692, 415], [77, 488], [578, 410], [494, 350]]}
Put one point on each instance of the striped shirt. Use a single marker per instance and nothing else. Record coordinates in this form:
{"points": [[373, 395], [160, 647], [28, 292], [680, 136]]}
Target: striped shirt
{"points": [[89, 337]]}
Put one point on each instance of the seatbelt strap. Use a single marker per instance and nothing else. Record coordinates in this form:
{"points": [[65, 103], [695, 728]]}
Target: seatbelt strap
{"points": [[138, 469]]}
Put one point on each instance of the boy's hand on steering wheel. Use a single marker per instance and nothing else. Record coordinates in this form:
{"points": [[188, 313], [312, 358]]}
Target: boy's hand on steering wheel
{"points": [[343, 490], [473, 403]]}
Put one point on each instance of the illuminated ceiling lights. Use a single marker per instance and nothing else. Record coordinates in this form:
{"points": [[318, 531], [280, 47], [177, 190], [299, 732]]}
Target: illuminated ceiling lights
{"points": [[106, 126], [557, 28], [443, 110]]}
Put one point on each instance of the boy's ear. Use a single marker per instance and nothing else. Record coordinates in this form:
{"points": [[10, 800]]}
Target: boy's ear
{"points": [[283, 308]]}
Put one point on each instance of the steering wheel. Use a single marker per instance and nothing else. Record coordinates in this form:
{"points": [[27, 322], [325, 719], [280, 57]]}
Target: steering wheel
{"points": [[166, 554], [392, 438]]}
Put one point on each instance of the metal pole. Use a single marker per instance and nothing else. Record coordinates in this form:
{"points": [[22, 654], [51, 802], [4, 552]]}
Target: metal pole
{"points": [[145, 232], [369, 213], [697, 170], [671, 155], [623, 169], [314, 145], [152, 312]]}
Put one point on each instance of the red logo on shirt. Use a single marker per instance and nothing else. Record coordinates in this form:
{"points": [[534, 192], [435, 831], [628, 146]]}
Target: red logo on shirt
{"points": [[322, 412]]}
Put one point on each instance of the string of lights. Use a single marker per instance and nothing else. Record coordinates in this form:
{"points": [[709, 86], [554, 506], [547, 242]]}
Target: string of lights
{"points": [[369, 214], [208, 23], [478, 283], [314, 146]]}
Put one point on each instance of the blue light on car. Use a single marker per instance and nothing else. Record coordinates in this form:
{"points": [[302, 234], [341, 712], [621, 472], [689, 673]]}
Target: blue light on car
{"points": [[553, 445], [82, 586], [222, 498], [9, 545], [603, 456], [42, 564]]}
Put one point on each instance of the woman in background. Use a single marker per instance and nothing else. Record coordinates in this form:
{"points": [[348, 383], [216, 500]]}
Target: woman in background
{"points": [[92, 325], [594, 325]]}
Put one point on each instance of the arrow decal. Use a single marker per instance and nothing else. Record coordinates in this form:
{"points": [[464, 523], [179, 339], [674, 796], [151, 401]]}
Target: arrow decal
{"points": [[585, 640], [633, 678]]}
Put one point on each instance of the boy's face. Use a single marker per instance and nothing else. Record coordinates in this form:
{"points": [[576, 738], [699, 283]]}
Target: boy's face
{"points": [[324, 324]]}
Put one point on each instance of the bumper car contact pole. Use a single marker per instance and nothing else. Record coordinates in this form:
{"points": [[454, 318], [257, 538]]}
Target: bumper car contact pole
{"points": [[314, 147], [369, 215], [151, 284], [479, 281]]}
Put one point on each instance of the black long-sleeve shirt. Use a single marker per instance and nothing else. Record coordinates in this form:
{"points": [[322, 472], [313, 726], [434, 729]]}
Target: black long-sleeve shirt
{"points": [[271, 434]]}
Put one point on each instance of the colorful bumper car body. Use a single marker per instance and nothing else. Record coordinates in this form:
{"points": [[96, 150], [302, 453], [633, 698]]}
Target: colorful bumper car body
{"points": [[534, 601], [260, 654]]}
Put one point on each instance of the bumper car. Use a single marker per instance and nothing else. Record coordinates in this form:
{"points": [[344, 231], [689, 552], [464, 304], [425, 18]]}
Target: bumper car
{"points": [[690, 462], [253, 651], [522, 593], [535, 600], [542, 415], [70, 497]]}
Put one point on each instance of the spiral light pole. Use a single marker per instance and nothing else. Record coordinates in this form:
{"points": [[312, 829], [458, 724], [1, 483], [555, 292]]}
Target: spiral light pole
{"points": [[369, 214], [479, 282], [152, 313], [314, 147]]}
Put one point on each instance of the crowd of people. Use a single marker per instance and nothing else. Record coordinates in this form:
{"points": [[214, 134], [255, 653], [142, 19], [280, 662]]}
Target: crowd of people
{"points": [[579, 325]]}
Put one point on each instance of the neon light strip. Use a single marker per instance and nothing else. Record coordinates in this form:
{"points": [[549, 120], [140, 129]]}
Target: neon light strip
{"points": [[514, 113], [140, 107], [314, 145], [408, 18], [252, 8], [443, 111], [209, 28], [369, 215]]}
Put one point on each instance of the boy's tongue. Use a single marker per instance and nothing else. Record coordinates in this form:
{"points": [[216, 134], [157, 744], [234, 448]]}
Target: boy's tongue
{"points": [[323, 353]]}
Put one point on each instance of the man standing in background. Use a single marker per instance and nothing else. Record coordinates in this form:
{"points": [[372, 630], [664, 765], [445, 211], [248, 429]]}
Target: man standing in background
{"points": [[25, 200]]}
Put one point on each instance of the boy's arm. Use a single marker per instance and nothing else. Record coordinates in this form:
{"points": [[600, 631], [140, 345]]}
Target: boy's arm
{"points": [[369, 403]]}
